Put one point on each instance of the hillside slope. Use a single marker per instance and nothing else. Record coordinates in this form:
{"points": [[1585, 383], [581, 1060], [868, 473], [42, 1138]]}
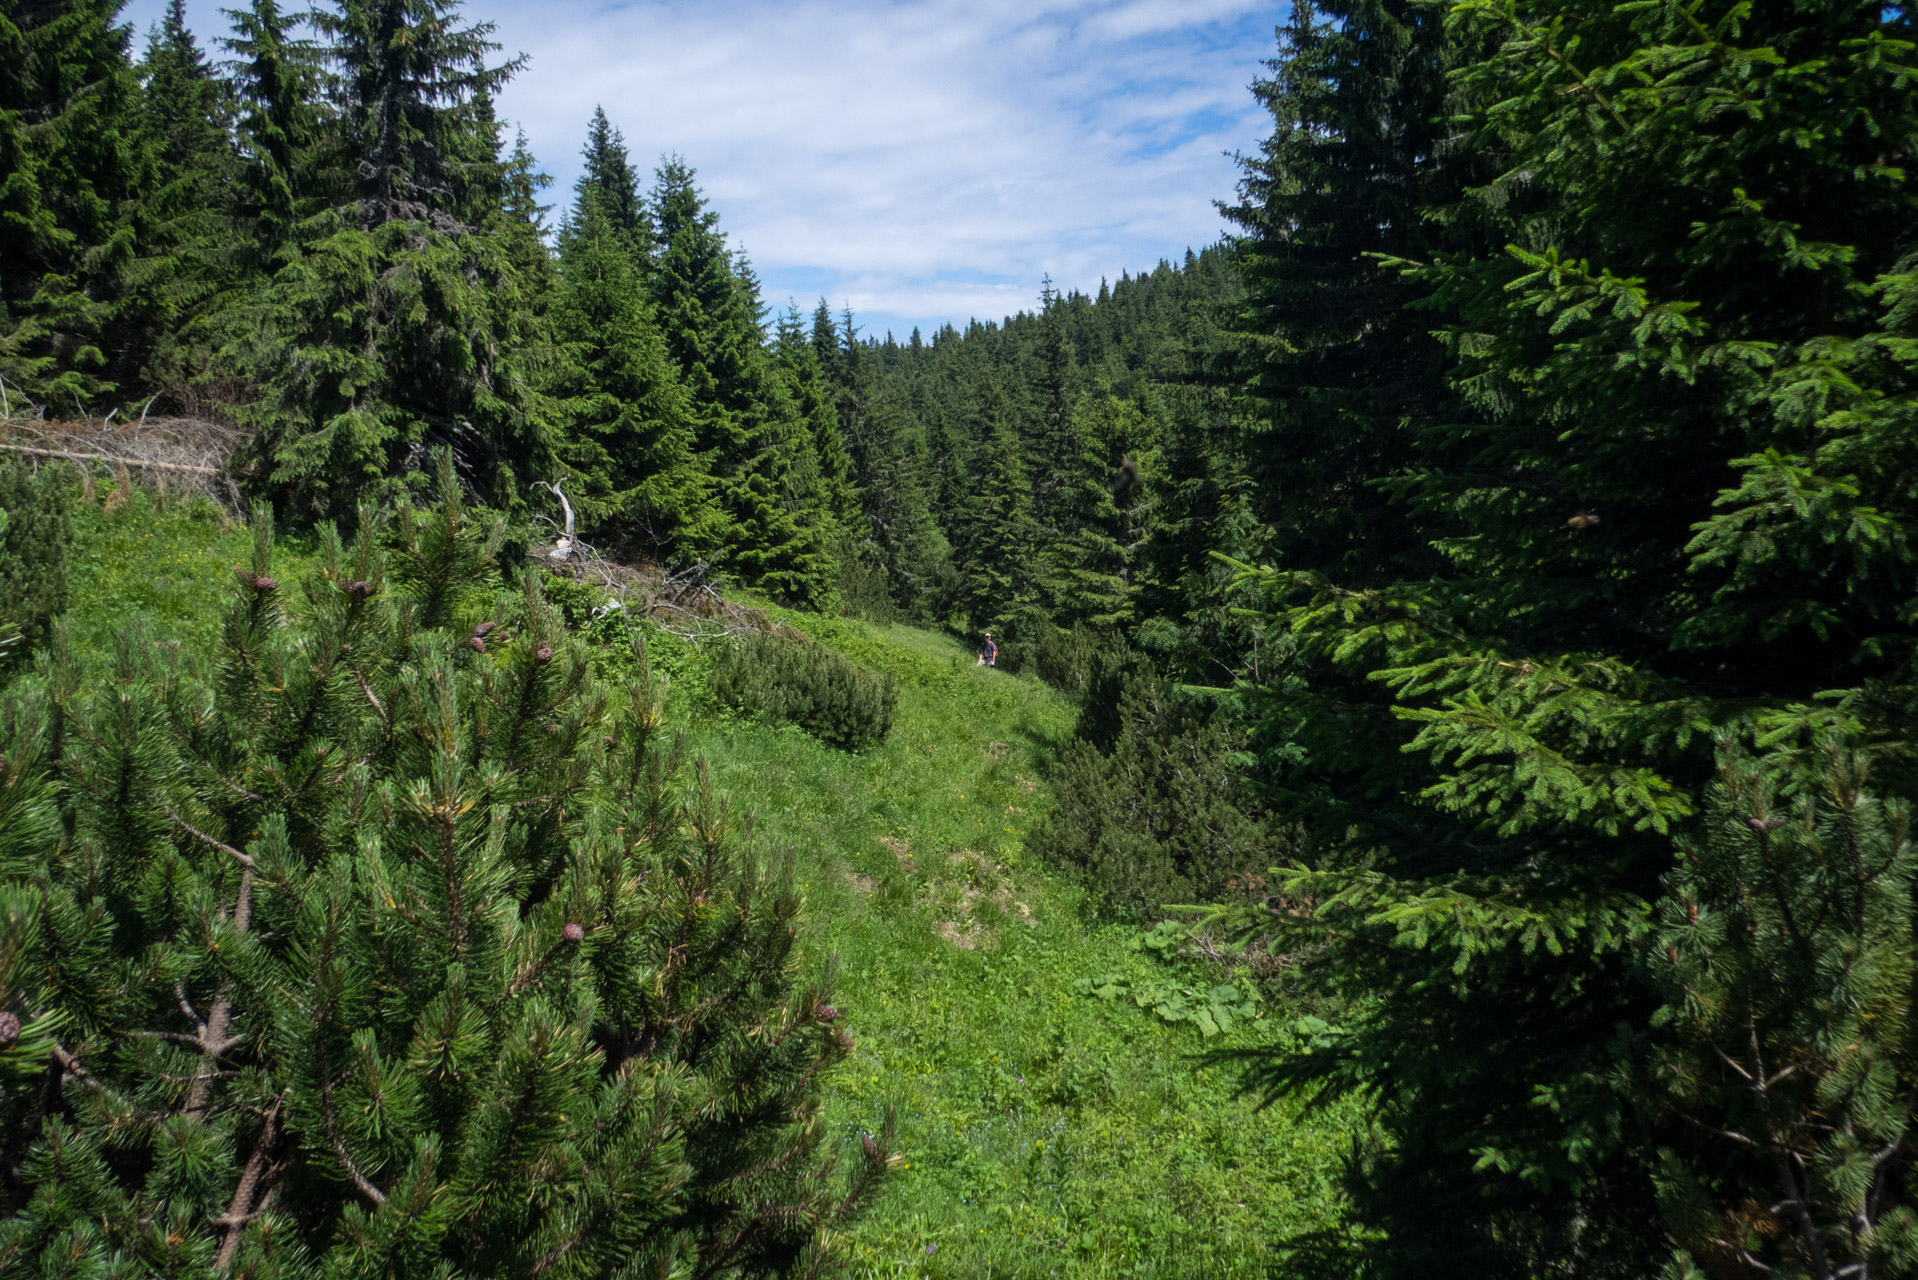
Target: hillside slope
{"points": [[1050, 1125]]}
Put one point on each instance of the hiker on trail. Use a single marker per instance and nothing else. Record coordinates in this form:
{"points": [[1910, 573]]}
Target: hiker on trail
{"points": [[988, 653]]}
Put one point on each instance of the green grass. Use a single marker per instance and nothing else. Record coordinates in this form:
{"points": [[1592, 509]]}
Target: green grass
{"points": [[168, 563], [1042, 1131]]}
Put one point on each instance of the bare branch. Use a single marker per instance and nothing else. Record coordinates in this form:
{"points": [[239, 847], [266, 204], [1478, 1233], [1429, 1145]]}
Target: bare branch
{"points": [[243, 859]]}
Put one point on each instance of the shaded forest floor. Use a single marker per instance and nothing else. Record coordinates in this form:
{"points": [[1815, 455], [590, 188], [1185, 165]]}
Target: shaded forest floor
{"points": [[1045, 1130]]}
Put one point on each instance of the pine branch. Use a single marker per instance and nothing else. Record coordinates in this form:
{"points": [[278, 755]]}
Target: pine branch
{"points": [[529, 976], [240, 1210], [214, 1041], [331, 1115], [367, 689]]}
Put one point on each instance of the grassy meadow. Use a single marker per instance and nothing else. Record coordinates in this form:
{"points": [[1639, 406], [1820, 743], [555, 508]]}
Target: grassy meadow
{"points": [[1049, 1125]]}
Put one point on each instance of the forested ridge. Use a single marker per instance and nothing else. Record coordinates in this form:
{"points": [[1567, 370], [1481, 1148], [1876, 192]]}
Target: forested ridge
{"points": [[1484, 581]]}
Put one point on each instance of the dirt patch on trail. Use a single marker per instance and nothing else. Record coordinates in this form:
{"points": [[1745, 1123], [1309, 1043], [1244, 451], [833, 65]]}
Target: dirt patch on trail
{"points": [[967, 937]]}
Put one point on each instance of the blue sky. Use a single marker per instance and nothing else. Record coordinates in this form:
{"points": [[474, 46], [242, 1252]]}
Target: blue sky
{"points": [[922, 161]]}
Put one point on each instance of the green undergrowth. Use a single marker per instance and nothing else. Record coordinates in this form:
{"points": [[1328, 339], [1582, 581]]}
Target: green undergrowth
{"points": [[1052, 1118]]}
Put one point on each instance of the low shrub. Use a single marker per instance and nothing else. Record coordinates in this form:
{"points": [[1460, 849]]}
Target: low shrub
{"points": [[475, 942], [1070, 658], [838, 702], [1150, 809]]}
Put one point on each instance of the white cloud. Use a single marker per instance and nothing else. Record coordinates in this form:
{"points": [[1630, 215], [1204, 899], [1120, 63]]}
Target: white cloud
{"points": [[925, 160]]}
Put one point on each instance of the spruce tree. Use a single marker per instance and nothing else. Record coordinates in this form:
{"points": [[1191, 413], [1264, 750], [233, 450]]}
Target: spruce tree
{"points": [[414, 84], [1343, 373], [611, 181], [834, 490], [392, 942], [189, 258], [826, 348], [1091, 548], [399, 326], [748, 431], [520, 220], [998, 536], [812, 391], [1052, 443], [1677, 380], [630, 441], [276, 83], [78, 168], [912, 550]]}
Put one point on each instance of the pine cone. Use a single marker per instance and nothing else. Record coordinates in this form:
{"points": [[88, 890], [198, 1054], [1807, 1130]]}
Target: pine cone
{"points": [[264, 583], [545, 654], [573, 932], [476, 644], [9, 1029], [826, 1013], [485, 628]]}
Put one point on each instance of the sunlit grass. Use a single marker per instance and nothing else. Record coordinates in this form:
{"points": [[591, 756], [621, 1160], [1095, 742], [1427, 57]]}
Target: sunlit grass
{"points": [[1046, 1132], [169, 563]]}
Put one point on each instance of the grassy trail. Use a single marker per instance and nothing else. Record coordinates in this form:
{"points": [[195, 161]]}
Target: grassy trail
{"points": [[1045, 1131], [1048, 1132]]}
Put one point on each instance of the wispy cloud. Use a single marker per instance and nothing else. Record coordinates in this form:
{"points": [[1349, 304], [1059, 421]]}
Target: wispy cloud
{"points": [[922, 161]]}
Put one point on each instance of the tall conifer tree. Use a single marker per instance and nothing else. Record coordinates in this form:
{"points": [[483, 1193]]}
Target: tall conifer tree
{"points": [[748, 432], [1680, 376], [402, 324], [77, 168], [610, 180], [276, 82], [189, 259], [1344, 375], [998, 534], [631, 437]]}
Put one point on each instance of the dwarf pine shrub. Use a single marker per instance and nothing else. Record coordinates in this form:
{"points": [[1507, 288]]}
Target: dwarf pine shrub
{"points": [[390, 941], [1151, 809], [838, 702]]}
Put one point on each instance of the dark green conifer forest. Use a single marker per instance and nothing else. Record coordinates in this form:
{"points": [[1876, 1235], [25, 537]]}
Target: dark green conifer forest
{"points": [[1485, 578]]}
